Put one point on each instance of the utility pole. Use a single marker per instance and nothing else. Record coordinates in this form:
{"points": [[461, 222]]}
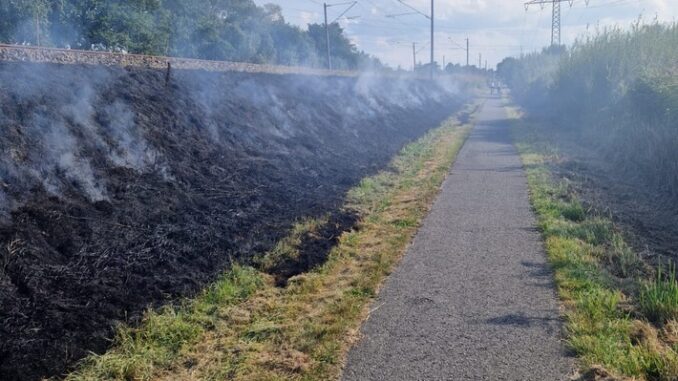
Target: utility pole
{"points": [[485, 65], [555, 16], [37, 29], [327, 37], [327, 26], [416, 11], [458, 47], [432, 68], [466, 51], [480, 60], [414, 56], [443, 62]]}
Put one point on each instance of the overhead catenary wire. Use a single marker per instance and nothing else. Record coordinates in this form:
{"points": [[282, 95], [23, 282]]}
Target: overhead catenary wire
{"points": [[327, 28], [345, 11], [414, 9], [431, 18], [375, 17]]}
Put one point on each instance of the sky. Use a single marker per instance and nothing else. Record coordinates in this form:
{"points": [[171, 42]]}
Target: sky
{"points": [[495, 28]]}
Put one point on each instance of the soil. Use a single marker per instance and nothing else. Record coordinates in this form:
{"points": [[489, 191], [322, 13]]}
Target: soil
{"points": [[120, 191]]}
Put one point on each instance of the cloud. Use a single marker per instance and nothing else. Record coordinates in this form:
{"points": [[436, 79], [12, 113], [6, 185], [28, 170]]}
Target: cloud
{"points": [[308, 17], [496, 28]]}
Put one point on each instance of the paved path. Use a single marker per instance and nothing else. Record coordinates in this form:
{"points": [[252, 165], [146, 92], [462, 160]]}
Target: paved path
{"points": [[473, 298]]}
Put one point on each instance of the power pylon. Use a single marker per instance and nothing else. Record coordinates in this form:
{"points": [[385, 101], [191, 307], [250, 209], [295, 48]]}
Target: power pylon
{"points": [[555, 16], [555, 23]]}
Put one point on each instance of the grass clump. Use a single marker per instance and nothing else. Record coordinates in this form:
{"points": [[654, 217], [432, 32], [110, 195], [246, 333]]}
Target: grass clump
{"points": [[658, 298], [243, 327], [615, 318], [574, 211]]}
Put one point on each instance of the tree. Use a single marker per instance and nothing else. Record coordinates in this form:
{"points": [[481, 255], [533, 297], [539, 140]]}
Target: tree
{"points": [[235, 30]]}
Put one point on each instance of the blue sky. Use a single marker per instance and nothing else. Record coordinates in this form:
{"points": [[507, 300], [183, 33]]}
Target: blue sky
{"points": [[496, 28]]}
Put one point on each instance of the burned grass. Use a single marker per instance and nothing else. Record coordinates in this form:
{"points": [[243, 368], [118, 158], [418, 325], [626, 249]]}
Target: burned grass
{"points": [[301, 331], [119, 192]]}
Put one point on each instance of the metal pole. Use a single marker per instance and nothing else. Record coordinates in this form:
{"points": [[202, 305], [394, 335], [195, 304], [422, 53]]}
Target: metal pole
{"points": [[432, 39], [466, 51], [327, 37], [414, 56], [37, 29]]}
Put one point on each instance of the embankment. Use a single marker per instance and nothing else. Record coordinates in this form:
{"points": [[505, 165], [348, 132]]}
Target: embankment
{"points": [[35, 54], [121, 188]]}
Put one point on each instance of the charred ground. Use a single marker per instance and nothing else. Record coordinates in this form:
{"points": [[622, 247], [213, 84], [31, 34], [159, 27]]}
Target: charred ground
{"points": [[119, 191]]}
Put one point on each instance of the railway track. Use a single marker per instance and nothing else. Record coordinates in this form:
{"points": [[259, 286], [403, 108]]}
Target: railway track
{"points": [[17, 53]]}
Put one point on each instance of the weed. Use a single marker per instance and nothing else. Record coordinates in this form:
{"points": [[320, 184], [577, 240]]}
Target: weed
{"points": [[573, 211], [624, 260], [658, 299]]}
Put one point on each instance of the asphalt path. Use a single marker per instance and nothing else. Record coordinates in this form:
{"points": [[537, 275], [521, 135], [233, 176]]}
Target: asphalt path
{"points": [[473, 298]]}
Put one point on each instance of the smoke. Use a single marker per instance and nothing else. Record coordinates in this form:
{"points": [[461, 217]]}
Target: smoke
{"points": [[58, 160], [129, 148], [66, 129], [59, 133]]}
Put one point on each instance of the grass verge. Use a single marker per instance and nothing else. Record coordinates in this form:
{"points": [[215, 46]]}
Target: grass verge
{"points": [[245, 328], [620, 312]]}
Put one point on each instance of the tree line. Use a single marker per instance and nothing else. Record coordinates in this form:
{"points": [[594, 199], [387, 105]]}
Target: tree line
{"points": [[617, 90], [233, 30]]}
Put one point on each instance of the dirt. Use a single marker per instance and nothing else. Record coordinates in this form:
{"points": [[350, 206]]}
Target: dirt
{"points": [[119, 192], [597, 373]]}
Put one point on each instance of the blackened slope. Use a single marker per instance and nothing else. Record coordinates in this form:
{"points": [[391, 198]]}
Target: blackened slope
{"points": [[121, 191], [473, 298]]}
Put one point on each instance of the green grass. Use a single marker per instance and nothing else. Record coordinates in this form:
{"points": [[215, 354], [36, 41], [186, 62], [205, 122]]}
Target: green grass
{"points": [[615, 318], [243, 327], [138, 352], [658, 299]]}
